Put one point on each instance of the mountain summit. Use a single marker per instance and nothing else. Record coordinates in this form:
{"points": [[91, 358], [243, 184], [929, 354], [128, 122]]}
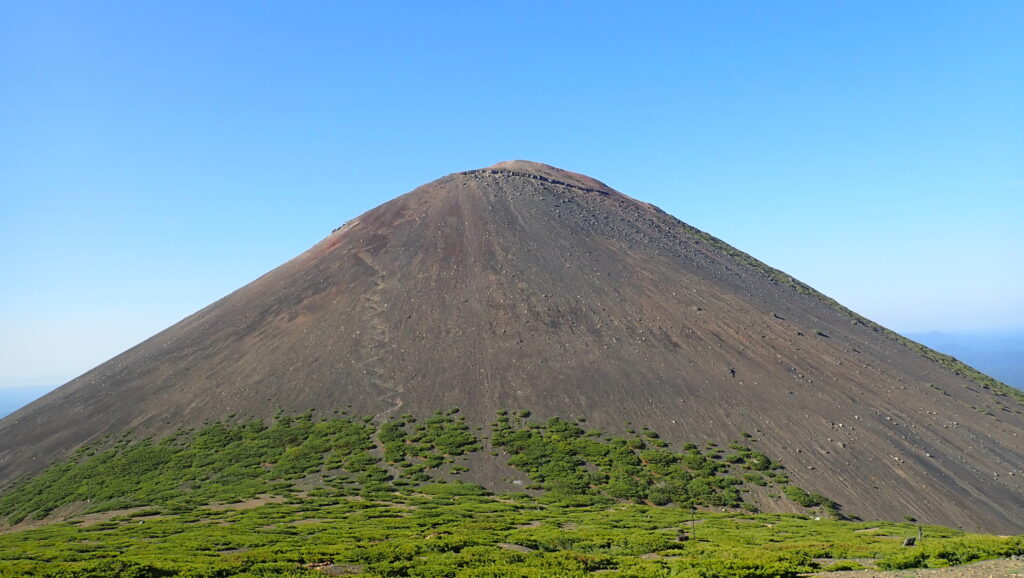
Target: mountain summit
{"points": [[525, 286]]}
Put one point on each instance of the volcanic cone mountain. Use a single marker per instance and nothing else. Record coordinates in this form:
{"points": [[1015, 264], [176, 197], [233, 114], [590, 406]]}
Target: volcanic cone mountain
{"points": [[525, 286]]}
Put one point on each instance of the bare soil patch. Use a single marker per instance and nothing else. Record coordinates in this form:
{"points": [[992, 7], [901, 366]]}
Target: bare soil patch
{"points": [[1000, 568]]}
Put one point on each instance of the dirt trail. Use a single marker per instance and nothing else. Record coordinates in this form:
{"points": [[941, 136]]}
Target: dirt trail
{"points": [[1000, 568]]}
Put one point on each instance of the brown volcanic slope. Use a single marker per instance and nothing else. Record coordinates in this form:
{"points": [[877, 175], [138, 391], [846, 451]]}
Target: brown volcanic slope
{"points": [[524, 286]]}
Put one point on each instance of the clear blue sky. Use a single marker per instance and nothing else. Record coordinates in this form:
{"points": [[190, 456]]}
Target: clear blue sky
{"points": [[155, 156]]}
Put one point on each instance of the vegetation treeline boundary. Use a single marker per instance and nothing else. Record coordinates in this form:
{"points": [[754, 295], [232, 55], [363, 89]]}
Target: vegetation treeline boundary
{"points": [[346, 496], [229, 461]]}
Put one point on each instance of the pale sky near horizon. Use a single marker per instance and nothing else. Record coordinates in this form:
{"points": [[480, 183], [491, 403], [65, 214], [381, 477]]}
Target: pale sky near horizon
{"points": [[156, 156]]}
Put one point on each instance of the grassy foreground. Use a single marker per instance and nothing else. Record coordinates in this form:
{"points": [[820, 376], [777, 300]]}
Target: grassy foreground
{"points": [[346, 496], [442, 533]]}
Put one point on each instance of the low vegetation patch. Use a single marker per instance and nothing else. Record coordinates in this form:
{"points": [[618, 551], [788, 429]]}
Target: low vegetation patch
{"points": [[563, 460], [347, 496]]}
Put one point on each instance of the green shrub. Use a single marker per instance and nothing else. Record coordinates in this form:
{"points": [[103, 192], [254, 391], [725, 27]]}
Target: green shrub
{"points": [[913, 558]]}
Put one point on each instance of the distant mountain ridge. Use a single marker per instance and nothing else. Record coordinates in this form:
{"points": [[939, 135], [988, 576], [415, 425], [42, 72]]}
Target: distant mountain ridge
{"points": [[999, 354], [526, 286], [14, 398]]}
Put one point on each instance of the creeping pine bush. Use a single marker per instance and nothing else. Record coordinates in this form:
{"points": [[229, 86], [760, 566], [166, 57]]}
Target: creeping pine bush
{"points": [[564, 460], [443, 529], [225, 462], [373, 502], [953, 552]]}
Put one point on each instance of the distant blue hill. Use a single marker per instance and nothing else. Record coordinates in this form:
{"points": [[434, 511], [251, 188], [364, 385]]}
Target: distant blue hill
{"points": [[1000, 355], [13, 398]]}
